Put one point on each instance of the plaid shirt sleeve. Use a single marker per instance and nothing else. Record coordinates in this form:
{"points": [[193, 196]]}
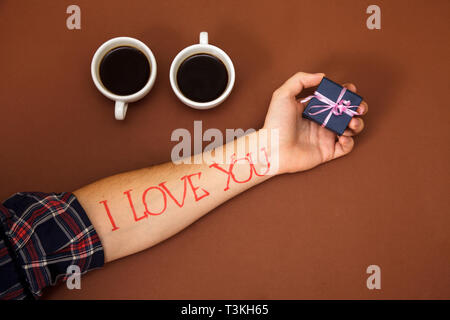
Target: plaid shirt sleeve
{"points": [[41, 235]]}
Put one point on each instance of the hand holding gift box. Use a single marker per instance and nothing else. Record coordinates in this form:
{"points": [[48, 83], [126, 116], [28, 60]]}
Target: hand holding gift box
{"points": [[332, 106]]}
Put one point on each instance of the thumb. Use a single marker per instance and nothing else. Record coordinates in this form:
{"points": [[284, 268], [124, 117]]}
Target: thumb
{"points": [[295, 84]]}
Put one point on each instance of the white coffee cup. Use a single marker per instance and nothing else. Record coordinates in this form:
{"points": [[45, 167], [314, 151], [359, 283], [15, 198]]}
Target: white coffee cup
{"points": [[122, 101], [202, 47]]}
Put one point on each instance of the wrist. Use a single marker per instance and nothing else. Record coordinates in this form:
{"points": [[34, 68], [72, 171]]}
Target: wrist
{"points": [[259, 148], [280, 152], [265, 152]]}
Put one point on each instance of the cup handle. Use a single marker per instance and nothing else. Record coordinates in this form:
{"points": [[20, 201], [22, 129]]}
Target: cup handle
{"points": [[120, 110], [203, 37]]}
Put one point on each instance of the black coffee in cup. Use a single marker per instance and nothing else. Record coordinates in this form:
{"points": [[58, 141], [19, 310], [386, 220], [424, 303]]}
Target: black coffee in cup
{"points": [[124, 70], [202, 77]]}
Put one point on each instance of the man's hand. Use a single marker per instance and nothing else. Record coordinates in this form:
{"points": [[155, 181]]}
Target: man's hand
{"points": [[303, 143]]}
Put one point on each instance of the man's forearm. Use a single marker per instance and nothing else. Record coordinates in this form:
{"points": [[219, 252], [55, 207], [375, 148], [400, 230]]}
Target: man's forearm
{"points": [[135, 210]]}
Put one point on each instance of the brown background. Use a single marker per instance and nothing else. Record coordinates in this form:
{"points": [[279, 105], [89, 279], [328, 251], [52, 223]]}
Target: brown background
{"points": [[307, 235]]}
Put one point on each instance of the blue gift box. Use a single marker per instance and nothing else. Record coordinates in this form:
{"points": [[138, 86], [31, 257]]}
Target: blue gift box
{"points": [[331, 90]]}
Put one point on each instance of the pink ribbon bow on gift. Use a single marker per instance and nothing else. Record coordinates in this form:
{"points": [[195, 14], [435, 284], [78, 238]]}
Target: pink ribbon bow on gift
{"points": [[337, 108]]}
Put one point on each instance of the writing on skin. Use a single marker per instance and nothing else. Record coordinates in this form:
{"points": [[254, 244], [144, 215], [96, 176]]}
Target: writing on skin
{"points": [[192, 182]]}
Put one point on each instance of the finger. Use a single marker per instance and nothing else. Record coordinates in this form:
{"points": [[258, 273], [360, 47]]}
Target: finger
{"points": [[356, 125], [295, 84], [348, 133], [350, 86], [343, 146], [363, 108]]}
